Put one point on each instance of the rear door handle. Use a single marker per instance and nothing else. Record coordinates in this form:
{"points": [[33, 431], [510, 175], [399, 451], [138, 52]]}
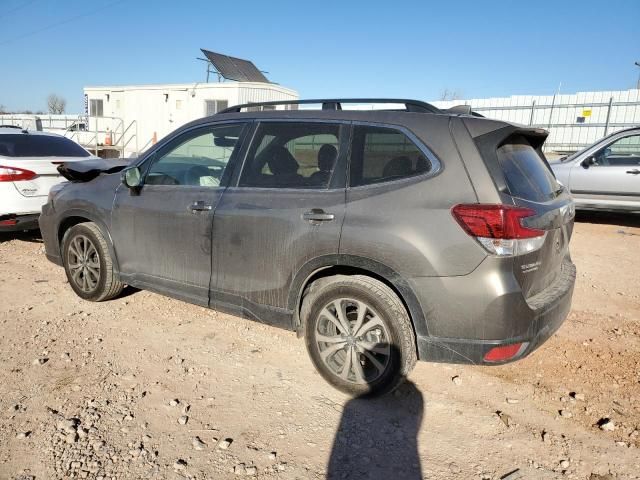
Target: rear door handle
{"points": [[317, 215], [635, 171], [200, 206]]}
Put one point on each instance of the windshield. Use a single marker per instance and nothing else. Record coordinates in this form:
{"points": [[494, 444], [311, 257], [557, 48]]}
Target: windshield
{"points": [[26, 145]]}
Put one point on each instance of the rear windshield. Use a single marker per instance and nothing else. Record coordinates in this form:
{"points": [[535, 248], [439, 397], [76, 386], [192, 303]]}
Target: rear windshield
{"points": [[525, 171], [26, 145]]}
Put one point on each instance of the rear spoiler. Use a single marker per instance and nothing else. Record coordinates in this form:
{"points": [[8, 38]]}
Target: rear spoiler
{"points": [[462, 110], [87, 170]]}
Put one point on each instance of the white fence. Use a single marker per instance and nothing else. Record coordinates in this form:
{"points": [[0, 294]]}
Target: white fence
{"points": [[573, 120]]}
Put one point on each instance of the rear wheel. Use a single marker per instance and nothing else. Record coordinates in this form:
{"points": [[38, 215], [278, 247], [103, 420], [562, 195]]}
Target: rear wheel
{"points": [[88, 264], [358, 334]]}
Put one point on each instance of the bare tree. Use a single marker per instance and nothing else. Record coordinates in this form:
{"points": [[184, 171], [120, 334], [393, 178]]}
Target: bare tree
{"points": [[448, 94], [3, 109], [56, 104]]}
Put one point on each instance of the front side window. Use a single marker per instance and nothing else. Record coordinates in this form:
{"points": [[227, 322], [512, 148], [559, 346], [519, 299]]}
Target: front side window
{"points": [[624, 152], [383, 154], [197, 159], [292, 155]]}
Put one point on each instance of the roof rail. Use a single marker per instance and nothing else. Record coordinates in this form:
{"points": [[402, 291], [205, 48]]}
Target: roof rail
{"points": [[336, 104]]}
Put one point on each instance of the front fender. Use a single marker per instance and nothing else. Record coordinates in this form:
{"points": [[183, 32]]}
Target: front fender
{"points": [[67, 219]]}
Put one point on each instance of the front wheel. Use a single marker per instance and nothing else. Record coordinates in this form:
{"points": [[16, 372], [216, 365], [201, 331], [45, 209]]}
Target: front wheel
{"points": [[358, 334], [88, 264]]}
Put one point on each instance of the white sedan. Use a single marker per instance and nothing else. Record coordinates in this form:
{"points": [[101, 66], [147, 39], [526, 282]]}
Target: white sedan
{"points": [[28, 161]]}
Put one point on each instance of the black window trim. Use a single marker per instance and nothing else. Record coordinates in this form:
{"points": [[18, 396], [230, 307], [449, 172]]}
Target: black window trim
{"points": [[148, 159], [344, 146], [436, 165]]}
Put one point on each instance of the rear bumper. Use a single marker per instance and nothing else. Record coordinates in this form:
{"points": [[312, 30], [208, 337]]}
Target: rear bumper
{"points": [[529, 322], [18, 223]]}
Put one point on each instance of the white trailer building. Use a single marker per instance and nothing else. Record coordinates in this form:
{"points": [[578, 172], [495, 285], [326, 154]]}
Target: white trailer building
{"points": [[126, 120], [130, 119]]}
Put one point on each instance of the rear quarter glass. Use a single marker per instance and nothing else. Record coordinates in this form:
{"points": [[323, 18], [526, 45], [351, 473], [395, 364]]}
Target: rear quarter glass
{"points": [[27, 145], [525, 171]]}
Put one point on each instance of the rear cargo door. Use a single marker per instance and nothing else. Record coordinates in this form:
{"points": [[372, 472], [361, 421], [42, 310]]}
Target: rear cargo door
{"points": [[531, 184]]}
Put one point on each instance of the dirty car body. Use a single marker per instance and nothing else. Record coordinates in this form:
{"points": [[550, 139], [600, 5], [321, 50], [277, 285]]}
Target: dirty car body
{"points": [[457, 217]]}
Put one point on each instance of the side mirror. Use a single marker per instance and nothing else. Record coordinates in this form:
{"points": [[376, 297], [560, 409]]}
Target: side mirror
{"points": [[587, 162], [132, 178]]}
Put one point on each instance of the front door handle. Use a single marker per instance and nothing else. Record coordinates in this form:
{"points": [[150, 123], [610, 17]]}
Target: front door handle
{"points": [[635, 171], [200, 206], [317, 215]]}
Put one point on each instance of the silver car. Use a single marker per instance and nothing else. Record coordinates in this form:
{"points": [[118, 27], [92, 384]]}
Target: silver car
{"points": [[605, 175]]}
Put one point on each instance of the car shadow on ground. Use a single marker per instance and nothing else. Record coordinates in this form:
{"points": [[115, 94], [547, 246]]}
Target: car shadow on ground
{"points": [[378, 437], [610, 218], [32, 236]]}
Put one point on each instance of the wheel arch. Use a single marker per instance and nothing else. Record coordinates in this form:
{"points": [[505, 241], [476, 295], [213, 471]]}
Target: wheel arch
{"points": [[329, 265], [75, 217]]}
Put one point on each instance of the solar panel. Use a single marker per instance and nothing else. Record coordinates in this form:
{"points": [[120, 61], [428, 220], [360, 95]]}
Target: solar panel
{"points": [[233, 68]]}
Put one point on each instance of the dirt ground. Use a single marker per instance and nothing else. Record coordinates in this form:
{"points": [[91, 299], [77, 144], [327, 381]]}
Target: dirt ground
{"points": [[149, 387]]}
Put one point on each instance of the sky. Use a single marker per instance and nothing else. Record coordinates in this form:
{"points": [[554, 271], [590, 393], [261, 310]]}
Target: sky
{"points": [[349, 48]]}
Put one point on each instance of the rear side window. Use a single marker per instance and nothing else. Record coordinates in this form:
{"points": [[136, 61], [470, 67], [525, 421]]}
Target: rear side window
{"points": [[383, 154], [526, 172], [292, 155], [26, 145]]}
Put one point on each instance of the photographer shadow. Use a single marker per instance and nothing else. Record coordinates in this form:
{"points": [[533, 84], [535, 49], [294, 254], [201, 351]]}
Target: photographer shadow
{"points": [[378, 437]]}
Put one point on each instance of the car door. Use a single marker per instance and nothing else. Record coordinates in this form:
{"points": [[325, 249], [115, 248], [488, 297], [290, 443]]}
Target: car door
{"points": [[611, 176], [285, 211], [162, 231]]}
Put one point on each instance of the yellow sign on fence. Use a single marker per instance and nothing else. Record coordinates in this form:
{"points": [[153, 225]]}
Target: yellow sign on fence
{"points": [[586, 112]]}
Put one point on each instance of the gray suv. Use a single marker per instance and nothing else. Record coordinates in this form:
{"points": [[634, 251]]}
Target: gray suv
{"points": [[380, 236]]}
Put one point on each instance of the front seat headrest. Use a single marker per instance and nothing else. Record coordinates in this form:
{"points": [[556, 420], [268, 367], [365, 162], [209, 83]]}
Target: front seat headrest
{"points": [[327, 157]]}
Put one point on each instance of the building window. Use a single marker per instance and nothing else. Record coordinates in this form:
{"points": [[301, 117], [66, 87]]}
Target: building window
{"points": [[97, 108], [178, 104], [214, 106]]}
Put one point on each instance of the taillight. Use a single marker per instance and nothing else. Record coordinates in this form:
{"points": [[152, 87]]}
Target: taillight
{"points": [[499, 229], [14, 174]]}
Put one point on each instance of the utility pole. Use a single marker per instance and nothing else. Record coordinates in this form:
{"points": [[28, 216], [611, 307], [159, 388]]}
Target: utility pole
{"points": [[638, 84]]}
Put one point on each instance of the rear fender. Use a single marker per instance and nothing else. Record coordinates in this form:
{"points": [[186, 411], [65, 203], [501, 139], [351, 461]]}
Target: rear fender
{"points": [[361, 265]]}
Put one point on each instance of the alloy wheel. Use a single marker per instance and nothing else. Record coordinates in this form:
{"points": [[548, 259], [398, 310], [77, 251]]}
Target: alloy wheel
{"points": [[353, 341], [84, 263]]}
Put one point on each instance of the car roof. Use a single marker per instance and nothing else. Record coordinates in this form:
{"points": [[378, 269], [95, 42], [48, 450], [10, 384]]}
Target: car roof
{"points": [[390, 117], [16, 130]]}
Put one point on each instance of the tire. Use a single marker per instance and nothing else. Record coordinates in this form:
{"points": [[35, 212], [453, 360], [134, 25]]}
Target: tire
{"points": [[88, 263], [379, 348]]}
